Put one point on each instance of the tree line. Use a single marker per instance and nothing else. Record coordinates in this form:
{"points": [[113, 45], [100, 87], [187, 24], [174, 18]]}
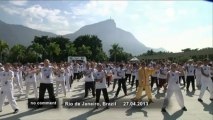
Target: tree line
{"points": [[181, 57], [59, 48]]}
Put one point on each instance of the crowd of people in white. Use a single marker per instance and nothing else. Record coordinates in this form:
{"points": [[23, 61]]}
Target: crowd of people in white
{"points": [[99, 76]]}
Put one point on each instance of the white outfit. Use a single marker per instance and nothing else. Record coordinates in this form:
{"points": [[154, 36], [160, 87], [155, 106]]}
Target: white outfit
{"points": [[38, 78], [6, 79], [67, 78], [60, 79], [47, 75], [100, 84], [128, 70], [136, 75], [198, 76], [173, 87], [114, 71], [162, 73], [88, 73], [71, 70], [31, 80], [121, 74], [190, 70], [16, 80], [134, 72], [108, 71], [206, 82], [21, 77]]}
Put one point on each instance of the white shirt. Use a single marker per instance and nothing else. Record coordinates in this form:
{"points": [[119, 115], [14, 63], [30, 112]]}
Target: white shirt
{"points": [[173, 79], [198, 71], [134, 71], [88, 73], [75, 69], [31, 77], [6, 79], [190, 70], [38, 76], [61, 75], [162, 73], [100, 76], [47, 74], [155, 73], [114, 72], [108, 71], [128, 70], [71, 70], [207, 71], [16, 73], [1, 69], [121, 73], [81, 68], [136, 75], [67, 72]]}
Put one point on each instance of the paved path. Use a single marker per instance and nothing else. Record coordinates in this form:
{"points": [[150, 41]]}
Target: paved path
{"points": [[196, 110]]}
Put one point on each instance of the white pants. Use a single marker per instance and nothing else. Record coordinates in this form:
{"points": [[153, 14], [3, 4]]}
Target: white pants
{"points": [[178, 94], [63, 87], [67, 78], [28, 84], [198, 80], [9, 94], [38, 82], [21, 81], [206, 82], [17, 82]]}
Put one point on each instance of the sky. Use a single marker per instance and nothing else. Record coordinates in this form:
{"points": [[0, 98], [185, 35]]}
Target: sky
{"points": [[172, 25]]}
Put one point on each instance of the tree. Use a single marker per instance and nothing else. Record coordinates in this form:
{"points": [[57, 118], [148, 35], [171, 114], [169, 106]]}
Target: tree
{"points": [[70, 49], [3, 47], [18, 53], [32, 56], [115, 51], [101, 56], [37, 50], [150, 52], [61, 41], [91, 41], [43, 40], [186, 50], [53, 49], [84, 51]]}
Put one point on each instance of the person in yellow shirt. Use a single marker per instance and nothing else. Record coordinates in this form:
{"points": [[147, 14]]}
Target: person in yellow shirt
{"points": [[143, 76]]}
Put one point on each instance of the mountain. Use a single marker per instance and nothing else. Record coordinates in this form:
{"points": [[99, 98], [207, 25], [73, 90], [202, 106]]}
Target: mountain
{"points": [[105, 30], [110, 34], [18, 34]]}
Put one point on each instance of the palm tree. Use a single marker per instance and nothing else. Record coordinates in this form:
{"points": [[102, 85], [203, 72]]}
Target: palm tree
{"points": [[115, 50], [3, 47]]}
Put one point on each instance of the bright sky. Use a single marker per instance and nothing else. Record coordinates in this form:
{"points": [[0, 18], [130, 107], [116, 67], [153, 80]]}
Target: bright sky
{"points": [[173, 25]]}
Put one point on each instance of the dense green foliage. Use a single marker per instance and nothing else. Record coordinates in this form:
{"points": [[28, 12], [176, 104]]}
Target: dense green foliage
{"points": [[59, 48], [196, 54]]}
